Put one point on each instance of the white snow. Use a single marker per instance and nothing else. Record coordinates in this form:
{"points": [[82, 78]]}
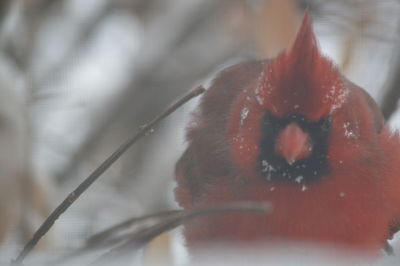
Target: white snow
{"points": [[243, 115], [299, 179]]}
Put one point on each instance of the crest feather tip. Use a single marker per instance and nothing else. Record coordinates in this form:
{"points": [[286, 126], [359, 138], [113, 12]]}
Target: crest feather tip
{"points": [[305, 40]]}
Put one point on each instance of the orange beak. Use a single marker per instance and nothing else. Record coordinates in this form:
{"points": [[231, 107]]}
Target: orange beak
{"points": [[293, 143]]}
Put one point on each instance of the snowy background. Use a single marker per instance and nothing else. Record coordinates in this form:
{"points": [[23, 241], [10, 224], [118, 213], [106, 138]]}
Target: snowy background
{"points": [[77, 78]]}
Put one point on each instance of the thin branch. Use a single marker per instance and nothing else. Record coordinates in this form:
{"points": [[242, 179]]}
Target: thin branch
{"points": [[113, 235], [102, 237], [139, 239], [70, 199]]}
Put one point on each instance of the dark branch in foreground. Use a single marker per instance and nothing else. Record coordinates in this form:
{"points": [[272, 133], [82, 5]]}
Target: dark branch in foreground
{"points": [[103, 236], [116, 234], [70, 199], [139, 239]]}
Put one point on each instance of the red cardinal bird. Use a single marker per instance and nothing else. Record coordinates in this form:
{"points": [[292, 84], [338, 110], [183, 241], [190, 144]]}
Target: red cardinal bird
{"points": [[295, 132]]}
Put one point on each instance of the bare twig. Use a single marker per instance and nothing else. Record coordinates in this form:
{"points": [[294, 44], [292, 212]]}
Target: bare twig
{"points": [[104, 235], [164, 221], [4, 7], [114, 235], [139, 239], [70, 199]]}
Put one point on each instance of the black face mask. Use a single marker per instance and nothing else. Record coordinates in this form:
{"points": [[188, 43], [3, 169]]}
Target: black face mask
{"points": [[310, 169]]}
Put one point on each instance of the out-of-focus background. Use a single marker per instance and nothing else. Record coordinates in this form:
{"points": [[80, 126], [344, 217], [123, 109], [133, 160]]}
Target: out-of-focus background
{"points": [[77, 78]]}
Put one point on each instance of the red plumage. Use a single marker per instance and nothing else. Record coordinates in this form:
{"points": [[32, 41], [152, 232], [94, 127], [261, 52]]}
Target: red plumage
{"points": [[343, 185]]}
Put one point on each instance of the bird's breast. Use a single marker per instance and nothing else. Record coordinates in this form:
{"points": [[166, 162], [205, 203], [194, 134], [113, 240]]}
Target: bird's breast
{"points": [[330, 211]]}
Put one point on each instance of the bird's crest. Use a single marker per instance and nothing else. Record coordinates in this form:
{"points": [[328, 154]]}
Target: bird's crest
{"points": [[302, 80]]}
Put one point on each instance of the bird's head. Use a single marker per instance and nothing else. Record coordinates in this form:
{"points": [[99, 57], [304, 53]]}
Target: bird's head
{"points": [[284, 123]]}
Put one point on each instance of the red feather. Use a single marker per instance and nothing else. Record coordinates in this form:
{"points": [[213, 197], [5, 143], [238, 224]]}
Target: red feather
{"points": [[350, 191]]}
